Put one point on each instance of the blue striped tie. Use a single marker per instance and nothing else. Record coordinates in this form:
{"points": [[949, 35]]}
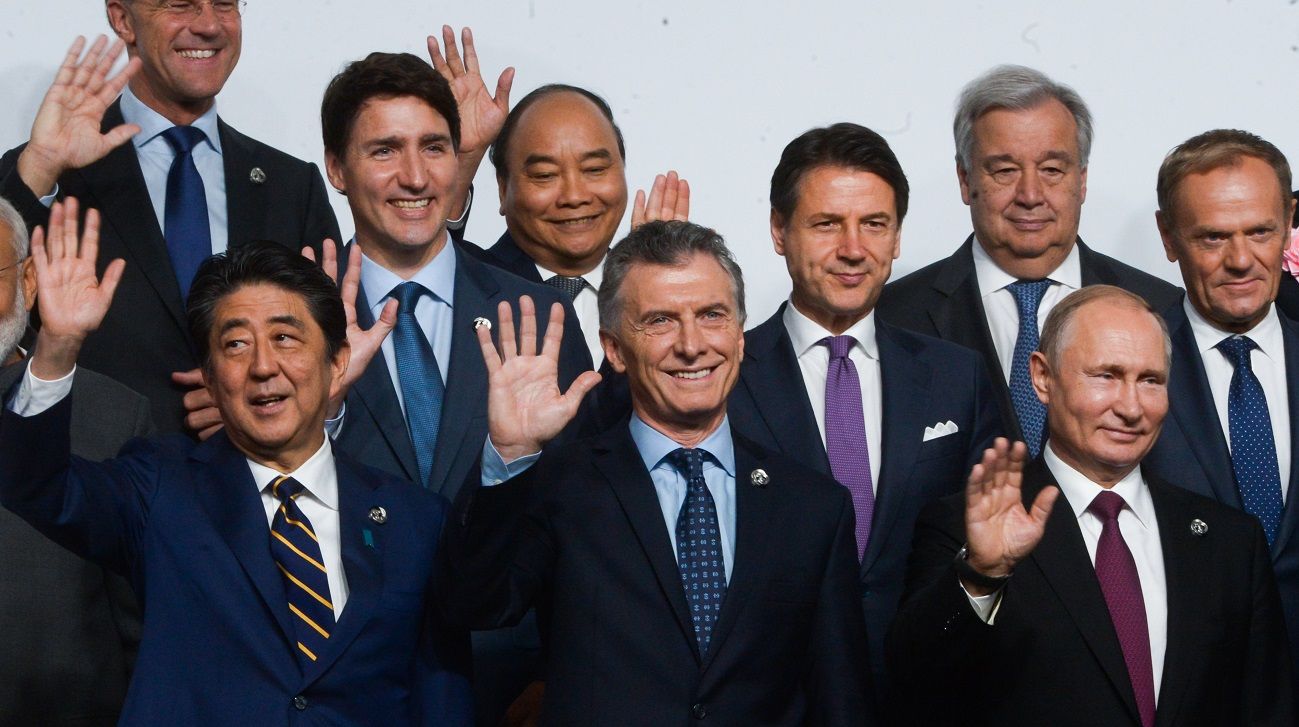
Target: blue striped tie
{"points": [[1028, 408], [422, 389], [1253, 449], [297, 554], [699, 546], [185, 222]]}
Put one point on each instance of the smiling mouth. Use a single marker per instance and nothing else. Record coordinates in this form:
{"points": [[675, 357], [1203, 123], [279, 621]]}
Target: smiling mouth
{"points": [[266, 402], [197, 54], [575, 222], [412, 204], [693, 375]]}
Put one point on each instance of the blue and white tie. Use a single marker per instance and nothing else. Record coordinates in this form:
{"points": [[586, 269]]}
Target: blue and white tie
{"points": [[1253, 448], [1028, 408], [699, 546]]}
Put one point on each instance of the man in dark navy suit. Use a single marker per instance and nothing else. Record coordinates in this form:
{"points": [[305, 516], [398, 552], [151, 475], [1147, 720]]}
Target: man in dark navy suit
{"points": [[1224, 216], [896, 417]]}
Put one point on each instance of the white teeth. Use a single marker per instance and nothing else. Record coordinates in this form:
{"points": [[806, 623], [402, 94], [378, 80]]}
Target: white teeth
{"points": [[693, 374], [580, 221], [196, 53], [411, 204]]}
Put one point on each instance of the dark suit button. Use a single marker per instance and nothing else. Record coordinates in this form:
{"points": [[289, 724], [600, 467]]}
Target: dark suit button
{"points": [[698, 711], [300, 702]]}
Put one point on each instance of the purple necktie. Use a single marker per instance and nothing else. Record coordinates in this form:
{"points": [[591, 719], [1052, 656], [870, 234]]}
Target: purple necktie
{"points": [[845, 434], [1117, 572]]}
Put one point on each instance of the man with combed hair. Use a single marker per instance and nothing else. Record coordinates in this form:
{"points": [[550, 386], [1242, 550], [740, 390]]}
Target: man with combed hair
{"points": [[685, 573], [1022, 148], [69, 629], [1078, 588], [1224, 216]]}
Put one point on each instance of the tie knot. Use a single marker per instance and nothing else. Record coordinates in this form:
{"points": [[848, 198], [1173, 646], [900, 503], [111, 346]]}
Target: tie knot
{"points": [[568, 285], [407, 295], [1028, 294], [689, 462], [1237, 349], [183, 139], [1106, 506], [839, 345], [286, 488]]}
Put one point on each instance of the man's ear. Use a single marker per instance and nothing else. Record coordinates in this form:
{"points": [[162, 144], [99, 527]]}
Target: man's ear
{"points": [[778, 232], [119, 19], [611, 352], [502, 186], [27, 279], [1040, 373], [334, 170], [338, 368], [963, 178], [1165, 224]]}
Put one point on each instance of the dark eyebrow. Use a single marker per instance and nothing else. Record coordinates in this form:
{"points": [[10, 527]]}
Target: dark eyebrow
{"points": [[288, 320], [601, 154]]}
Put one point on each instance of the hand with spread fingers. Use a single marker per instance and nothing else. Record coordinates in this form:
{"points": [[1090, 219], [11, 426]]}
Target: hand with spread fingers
{"points": [[669, 199], [525, 408], [999, 531], [72, 299], [67, 131]]}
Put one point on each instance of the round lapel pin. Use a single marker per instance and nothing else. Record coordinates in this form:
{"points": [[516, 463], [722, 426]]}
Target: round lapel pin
{"points": [[480, 322], [257, 176], [1199, 527], [759, 478], [378, 515]]}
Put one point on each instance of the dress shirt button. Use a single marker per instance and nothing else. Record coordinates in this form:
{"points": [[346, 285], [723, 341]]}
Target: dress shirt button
{"points": [[300, 702], [699, 711]]}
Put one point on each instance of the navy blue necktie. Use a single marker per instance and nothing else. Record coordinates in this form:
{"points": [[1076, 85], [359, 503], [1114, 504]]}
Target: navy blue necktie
{"points": [[422, 389], [699, 546], [1028, 408], [1253, 449], [185, 223], [306, 583], [569, 286]]}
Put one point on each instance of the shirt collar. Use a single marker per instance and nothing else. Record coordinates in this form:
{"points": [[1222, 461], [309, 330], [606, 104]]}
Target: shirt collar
{"points": [[593, 278], [992, 278], [1266, 333], [653, 445], [314, 475], [438, 277], [152, 123], [804, 333], [1080, 491]]}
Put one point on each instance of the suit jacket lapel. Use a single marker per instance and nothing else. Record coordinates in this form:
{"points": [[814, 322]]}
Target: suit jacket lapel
{"points": [[1183, 552], [904, 384], [507, 252], [124, 205], [362, 563], [247, 204], [1062, 558], [1290, 516], [375, 394], [785, 409], [232, 501], [620, 462], [755, 509], [1191, 401]]}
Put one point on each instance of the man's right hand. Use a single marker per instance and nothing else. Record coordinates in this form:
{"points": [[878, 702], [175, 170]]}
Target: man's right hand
{"points": [[72, 298], [999, 532], [66, 133], [669, 199]]}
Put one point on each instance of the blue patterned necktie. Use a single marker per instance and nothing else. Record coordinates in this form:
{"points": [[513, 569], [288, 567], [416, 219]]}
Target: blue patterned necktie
{"points": [[1030, 411], [1253, 449], [845, 435], [422, 389], [297, 554], [699, 546], [569, 286], [185, 222]]}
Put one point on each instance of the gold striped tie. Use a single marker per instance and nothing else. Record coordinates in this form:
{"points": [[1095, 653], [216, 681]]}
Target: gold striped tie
{"points": [[297, 554]]}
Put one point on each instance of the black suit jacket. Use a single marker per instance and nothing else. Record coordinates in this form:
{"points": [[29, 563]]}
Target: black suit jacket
{"points": [[610, 401], [1192, 452], [69, 629], [1052, 656], [582, 535], [924, 382], [144, 338], [942, 300]]}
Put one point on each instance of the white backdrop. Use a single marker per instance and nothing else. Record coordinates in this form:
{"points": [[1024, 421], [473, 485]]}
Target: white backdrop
{"points": [[716, 89]]}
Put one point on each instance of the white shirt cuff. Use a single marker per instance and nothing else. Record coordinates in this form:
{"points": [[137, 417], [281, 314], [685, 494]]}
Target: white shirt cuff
{"points": [[460, 222], [496, 470], [35, 395], [985, 607], [334, 427], [48, 199]]}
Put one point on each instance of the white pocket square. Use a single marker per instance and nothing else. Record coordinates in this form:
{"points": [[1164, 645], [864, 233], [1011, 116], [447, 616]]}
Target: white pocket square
{"points": [[941, 429]]}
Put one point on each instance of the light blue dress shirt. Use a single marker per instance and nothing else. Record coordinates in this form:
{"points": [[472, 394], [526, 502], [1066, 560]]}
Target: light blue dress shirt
{"points": [[156, 156], [669, 483], [433, 313]]}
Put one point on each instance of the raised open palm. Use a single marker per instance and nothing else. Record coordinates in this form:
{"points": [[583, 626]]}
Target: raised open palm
{"points": [[999, 531]]}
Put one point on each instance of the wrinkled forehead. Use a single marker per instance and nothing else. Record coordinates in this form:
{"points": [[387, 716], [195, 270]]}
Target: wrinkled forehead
{"points": [[693, 282]]}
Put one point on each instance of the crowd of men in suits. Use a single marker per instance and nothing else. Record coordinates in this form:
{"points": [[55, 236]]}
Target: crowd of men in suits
{"points": [[409, 479]]}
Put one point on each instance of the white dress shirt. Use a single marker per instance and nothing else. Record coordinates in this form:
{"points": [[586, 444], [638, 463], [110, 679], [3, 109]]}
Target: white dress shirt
{"points": [[588, 309], [999, 304], [814, 362], [1268, 363], [318, 476]]}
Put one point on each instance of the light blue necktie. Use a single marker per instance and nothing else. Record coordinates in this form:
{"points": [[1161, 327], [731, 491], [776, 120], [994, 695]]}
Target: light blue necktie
{"points": [[699, 546], [1030, 411], [422, 389], [185, 222], [1253, 449]]}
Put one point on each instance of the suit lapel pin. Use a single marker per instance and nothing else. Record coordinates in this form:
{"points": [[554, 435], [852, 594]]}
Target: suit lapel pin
{"points": [[369, 537], [257, 176], [759, 478], [479, 322], [378, 515], [1199, 527]]}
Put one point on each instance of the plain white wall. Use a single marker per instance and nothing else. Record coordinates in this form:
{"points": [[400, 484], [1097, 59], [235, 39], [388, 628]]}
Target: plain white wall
{"points": [[716, 89]]}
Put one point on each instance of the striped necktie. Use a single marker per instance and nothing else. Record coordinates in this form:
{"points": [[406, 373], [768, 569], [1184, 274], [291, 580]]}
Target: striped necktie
{"points": [[297, 554]]}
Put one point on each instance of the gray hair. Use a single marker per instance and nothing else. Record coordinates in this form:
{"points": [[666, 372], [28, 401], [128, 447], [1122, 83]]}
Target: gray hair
{"points": [[1058, 328], [662, 243], [1016, 88], [9, 217]]}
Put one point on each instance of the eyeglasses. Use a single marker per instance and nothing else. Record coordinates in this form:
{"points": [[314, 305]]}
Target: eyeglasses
{"points": [[194, 8]]}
